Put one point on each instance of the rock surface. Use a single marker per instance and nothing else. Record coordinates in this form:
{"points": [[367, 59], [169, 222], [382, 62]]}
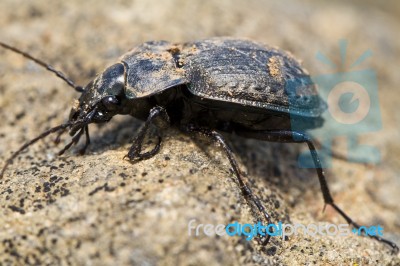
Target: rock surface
{"points": [[99, 209]]}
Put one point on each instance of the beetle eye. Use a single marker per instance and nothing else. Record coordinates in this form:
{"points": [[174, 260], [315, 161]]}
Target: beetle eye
{"points": [[111, 103]]}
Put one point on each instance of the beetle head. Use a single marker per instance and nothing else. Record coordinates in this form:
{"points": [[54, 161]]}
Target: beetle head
{"points": [[101, 99]]}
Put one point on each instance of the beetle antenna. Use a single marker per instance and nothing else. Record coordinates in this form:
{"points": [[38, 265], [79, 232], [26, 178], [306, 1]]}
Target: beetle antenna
{"points": [[31, 142], [45, 65]]}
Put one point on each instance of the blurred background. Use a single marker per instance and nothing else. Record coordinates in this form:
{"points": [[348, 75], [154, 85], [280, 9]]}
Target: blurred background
{"points": [[83, 37]]}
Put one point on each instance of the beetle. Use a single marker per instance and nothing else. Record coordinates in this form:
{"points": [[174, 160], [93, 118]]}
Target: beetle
{"points": [[208, 87]]}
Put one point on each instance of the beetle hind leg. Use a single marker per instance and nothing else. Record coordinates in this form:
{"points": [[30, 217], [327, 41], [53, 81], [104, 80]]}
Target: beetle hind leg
{"points": [[288, 136], [158, 116]]}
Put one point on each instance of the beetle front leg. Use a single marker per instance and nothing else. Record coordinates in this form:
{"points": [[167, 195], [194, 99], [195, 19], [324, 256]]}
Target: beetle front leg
{"points": [[288, 136], [158, 116], [87, 143], [244, 187]]}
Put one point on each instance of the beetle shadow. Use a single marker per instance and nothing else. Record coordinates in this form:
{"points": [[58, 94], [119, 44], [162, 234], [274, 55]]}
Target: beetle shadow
{"points": [[117, 133], [275, 163]]}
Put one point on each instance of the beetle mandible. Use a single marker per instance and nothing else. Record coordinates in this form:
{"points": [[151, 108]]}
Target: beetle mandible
{"points": [[207, 87]]}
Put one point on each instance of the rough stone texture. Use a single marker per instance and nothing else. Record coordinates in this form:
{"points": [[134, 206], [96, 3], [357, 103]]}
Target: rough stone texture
{"points": [[99, 209]]}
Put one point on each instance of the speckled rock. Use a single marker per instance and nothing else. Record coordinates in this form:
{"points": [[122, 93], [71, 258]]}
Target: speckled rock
{"points": [[99, 209]]}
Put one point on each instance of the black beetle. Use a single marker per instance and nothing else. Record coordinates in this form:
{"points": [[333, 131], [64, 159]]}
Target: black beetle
{"points": [[219, 84]]}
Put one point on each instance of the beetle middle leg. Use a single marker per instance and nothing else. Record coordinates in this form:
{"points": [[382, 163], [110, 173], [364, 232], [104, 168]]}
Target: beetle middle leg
{"points": [[244, 187], [158, 116], [288, 136]]}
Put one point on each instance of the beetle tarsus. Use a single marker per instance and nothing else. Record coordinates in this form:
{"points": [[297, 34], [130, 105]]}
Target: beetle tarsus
{"points": [[350, 221], [135, 154], [158, 116]]}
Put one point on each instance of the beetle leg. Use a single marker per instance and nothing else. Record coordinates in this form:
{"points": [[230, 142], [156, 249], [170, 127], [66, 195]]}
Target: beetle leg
{"points": [[244, 187], [288, 136], [74, 141], [158, 116], [87, 143]]}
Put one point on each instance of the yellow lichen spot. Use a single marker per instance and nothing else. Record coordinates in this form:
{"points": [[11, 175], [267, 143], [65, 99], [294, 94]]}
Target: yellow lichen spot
{"points": [[75, 105], [174, 49], [275, 67]]}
